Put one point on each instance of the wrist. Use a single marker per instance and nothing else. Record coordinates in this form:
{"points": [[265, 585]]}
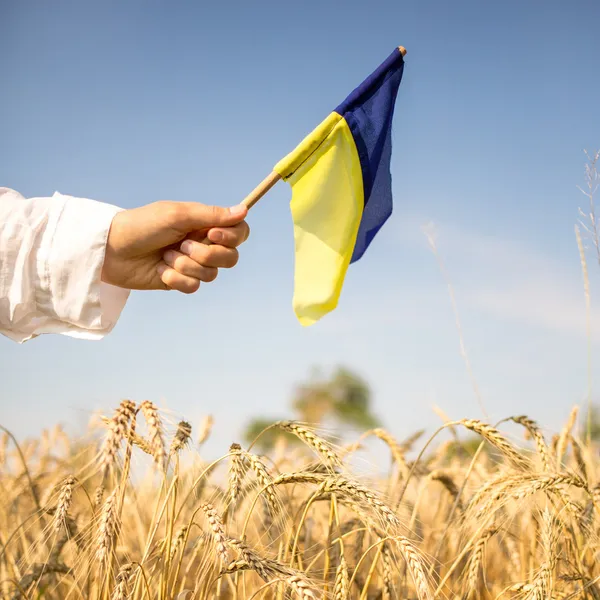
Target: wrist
{"points": [[108, 272]]}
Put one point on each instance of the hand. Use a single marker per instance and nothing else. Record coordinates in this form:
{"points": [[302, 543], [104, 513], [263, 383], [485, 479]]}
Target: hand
{"points": [[144, 250]]}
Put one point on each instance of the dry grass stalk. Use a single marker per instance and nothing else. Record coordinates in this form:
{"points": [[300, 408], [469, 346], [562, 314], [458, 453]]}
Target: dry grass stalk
{"points": [[429, 231], [588, 302]]}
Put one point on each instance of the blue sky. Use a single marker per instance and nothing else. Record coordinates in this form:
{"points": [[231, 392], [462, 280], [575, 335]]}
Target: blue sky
{"points": [[131, 102]]}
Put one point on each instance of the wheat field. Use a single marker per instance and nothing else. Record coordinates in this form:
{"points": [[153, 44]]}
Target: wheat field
{"points": [[137, 513]]}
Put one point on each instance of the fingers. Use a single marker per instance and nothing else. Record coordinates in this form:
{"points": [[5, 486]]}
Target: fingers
{"points": [[191, 216], [176, 281], [216, 256], [188, 267], [185, 272], [232, 237], [197, 262]]}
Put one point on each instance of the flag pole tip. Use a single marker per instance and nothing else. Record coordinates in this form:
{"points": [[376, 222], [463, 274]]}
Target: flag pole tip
{"points": [[402, 50]]}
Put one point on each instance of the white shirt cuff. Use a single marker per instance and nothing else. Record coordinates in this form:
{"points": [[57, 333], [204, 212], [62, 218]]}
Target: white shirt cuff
{"points": [[71, 299]]}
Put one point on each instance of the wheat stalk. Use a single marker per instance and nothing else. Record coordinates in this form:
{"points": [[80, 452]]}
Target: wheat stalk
{"points": [[341, 588], [579, 458], [476, 560], [155, 432], [205, 429], [107, 529], [218, 531], [265, 479], [64, 502], [36, 572], [301, 586], [194, 532], [416, 568], [362, 494], [322, 447], [542, 585], [141, 443], [540, 442], [178, 540], [446, 480], [388, 587], [121, 590], [561, 444], [236, 472], [117, 430], [266, 568], [494, 437], [395, 447], [181, 437]]}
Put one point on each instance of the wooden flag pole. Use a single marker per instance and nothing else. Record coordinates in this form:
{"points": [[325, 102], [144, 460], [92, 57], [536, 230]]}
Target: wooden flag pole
{"points": [[254, 196], [261, 189], [268, 182]]}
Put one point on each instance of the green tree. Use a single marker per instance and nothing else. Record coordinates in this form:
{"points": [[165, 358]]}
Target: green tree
{"points": [[466, 449], [592, 425], [343, 399]]}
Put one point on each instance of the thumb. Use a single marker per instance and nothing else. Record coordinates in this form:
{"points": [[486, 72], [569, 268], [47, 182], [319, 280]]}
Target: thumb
{"points": [[200, 216]]}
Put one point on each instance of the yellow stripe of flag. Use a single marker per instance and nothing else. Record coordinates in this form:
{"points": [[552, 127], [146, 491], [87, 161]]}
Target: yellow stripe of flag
{"points": [[327, 203]]}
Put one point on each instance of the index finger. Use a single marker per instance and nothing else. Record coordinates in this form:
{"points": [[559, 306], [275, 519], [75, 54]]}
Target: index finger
{"points": [[231, 237]]}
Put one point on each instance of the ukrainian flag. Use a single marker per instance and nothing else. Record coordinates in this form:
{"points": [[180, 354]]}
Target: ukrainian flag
{"points": [[341, 189]]}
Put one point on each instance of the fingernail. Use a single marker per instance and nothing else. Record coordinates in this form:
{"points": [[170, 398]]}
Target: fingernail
{"points": [[169, 256], [240, 209], [186, 247], [161, 268], [216, 236]]}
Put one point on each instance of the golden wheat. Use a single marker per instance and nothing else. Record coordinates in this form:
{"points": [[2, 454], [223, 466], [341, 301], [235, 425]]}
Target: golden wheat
{"points": [[486, 526]]}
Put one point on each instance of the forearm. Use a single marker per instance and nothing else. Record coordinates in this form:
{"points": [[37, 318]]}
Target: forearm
{"points": [[51, 256]]}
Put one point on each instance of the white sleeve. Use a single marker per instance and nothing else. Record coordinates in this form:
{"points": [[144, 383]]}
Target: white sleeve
{"points": [[51, 257]]}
